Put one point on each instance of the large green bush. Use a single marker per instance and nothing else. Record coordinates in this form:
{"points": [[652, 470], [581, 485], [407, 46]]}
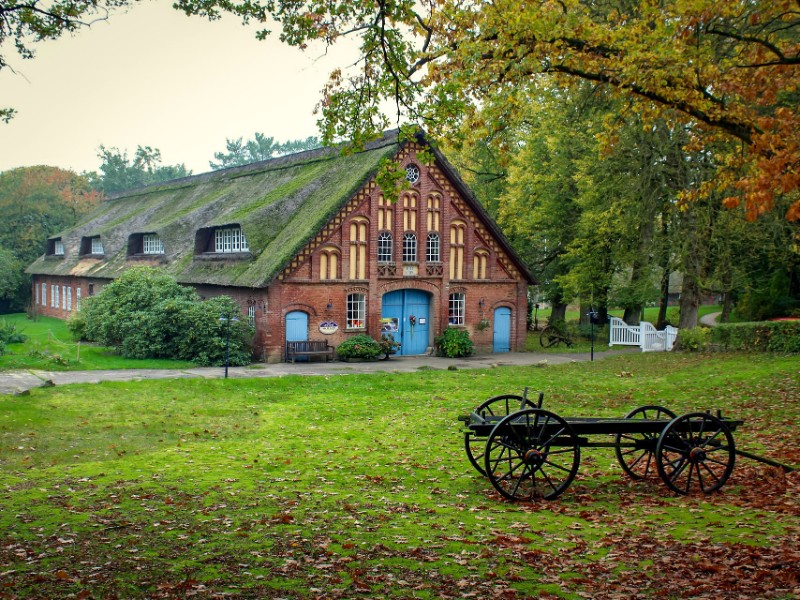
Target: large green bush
{"points": [[359, 346], [454, 343], [766, 336], [145, 313]]}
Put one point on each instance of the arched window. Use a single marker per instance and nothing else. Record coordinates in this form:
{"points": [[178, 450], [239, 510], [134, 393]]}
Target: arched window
{"points": [[457, 243], [358, 248], [412, 173], [385, 214], [433, 248], [479, 264], [409, 212], [434, 209], [385, 247], [329, 264], [409, 247]]}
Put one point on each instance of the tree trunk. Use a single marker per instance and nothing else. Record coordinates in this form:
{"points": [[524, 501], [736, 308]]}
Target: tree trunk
{"points": [[690, 302], [661, 322], [559, 312], [727, 307], [632, 315]]}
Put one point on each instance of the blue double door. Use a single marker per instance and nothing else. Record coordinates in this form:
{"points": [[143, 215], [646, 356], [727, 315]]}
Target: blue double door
{"points": [[408, 311]]}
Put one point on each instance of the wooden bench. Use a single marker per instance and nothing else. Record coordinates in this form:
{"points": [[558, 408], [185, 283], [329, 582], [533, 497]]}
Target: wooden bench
{"points": [[308, 348]]}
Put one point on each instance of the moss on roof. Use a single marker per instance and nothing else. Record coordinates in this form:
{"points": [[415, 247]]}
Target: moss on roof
{"points": [[280, 204]]}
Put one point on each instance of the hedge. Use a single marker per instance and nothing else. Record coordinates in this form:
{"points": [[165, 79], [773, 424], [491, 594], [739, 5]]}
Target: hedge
{"points": [[762, 336]]}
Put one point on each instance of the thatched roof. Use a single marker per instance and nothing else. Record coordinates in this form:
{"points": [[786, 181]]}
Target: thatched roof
{"points": [[280, 205]]}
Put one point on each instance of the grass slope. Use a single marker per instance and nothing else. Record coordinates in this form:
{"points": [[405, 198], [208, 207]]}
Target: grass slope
{"points": [[358, 486]]}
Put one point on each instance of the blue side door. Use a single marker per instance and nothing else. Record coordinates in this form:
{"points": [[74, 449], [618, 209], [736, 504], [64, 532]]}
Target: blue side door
{"points": [[297, 328], [501, 341], [411, 308]]}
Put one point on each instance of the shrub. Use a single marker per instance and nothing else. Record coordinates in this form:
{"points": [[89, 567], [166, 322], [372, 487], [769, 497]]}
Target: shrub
{"points": [[359, 346], [766, 336], [388, 344], [9, 334], [454, 343], [147, 314], [694, 340]]}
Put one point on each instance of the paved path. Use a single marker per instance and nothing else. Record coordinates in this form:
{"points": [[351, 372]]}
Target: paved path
{"points": [[12, 382], [710, 320]]}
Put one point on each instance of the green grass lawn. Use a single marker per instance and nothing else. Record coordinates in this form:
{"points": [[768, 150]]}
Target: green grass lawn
{"points": [[50, 347], [358, 486]]}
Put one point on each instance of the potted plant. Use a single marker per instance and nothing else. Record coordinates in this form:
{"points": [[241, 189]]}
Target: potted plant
{"points": [[388, 345]]}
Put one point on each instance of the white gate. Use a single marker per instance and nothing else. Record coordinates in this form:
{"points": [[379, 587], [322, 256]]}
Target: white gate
{"points": [[644, 335]]}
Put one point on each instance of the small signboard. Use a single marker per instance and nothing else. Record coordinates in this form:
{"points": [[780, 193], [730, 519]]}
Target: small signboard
{"points": [[328, 327], [390, 325]]}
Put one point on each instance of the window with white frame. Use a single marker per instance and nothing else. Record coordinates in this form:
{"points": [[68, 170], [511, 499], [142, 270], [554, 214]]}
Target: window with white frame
{"points": [[63, 297], [409, 247], [58, 248], [456, 309], [77, 298], [56, 299], [433, 250], [385, 247], [36, 293], [412, 173], [97, 245], [69, 299], [356, 311], [230, 239], [251, 315], [44, 294], [152, 244]]}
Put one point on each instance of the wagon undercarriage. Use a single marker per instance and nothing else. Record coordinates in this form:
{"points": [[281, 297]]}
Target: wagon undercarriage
{"points": [[528, 452]]}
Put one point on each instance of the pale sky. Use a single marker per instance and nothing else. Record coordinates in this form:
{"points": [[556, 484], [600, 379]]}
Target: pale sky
{"points": [[155, 77]]}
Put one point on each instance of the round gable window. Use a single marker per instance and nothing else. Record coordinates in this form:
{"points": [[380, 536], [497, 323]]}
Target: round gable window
{"points": [[412, 173]]}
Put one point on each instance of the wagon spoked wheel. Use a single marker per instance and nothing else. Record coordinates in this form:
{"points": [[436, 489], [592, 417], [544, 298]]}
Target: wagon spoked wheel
{"points": [[549, 337], [638, 461], [532, 454], [498, 406], [695, 452]]}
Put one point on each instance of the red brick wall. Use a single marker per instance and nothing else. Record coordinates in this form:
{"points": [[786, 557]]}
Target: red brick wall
{"points": [[45, 307]]}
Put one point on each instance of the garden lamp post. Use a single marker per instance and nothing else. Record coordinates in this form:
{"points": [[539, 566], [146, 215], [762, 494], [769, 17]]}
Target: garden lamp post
{"points": [[227, 321], [592, 314]]}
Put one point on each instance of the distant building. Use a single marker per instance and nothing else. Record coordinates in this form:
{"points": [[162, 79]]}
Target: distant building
{"points": [[311, 249]]}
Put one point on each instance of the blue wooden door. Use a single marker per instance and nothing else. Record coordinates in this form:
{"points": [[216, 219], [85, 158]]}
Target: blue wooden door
{"points": [[297, 328], [501, 341], [411, 310]]}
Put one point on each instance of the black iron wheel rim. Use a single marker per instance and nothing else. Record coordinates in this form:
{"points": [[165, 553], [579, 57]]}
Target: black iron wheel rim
{"points": [[639, 463], [516, 439], [502, 405], [695, 452]]}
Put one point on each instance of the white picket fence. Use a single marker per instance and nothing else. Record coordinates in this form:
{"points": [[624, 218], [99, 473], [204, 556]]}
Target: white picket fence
{"points": [[644, 335]]}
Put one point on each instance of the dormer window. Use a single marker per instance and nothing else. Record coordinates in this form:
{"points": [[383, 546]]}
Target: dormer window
{"points": [[211, 242], [230, 239], [55, 247], [145, 245], [152, 244], [92, 246]]}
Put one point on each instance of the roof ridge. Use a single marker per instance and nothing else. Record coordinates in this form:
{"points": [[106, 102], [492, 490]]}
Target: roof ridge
{"points": [[287, 160]]}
